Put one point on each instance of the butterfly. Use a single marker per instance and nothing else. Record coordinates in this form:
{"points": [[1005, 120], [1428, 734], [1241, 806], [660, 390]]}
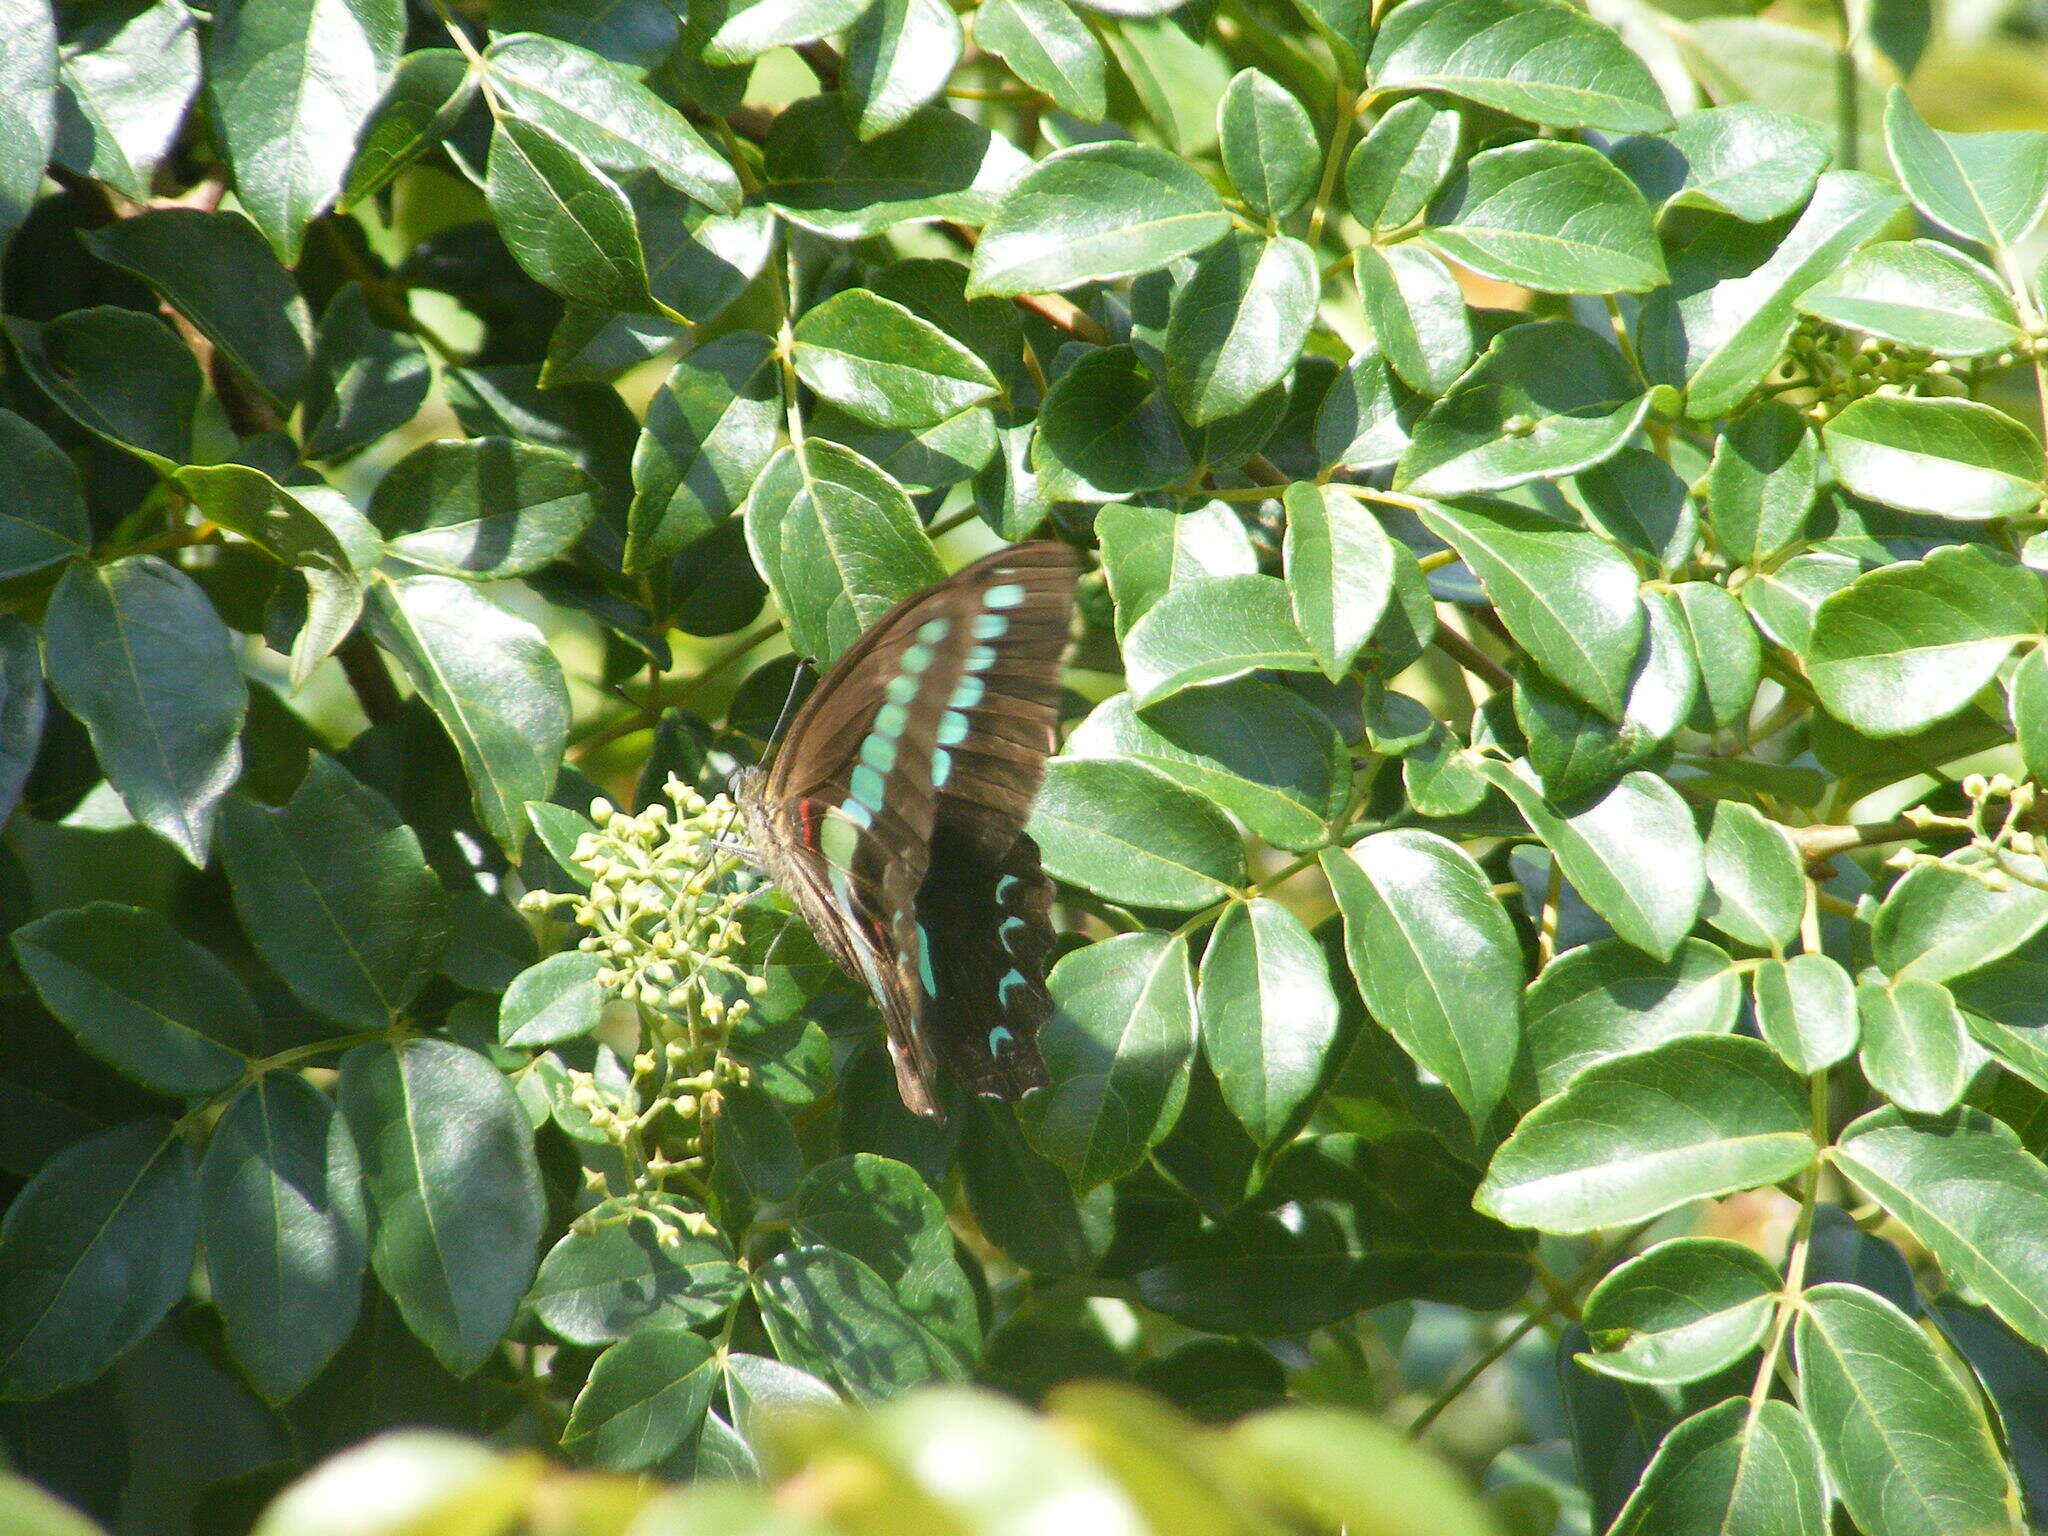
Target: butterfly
{"points": [[893, 816]]}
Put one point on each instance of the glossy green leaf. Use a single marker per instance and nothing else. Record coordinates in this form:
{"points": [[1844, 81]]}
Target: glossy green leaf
{"points": [[1401, 163], [215, 270], [1763, 480], [822, 176], [709, 432], [1907, 1451], [491, 682], [1435, 958], [874, 358], [1744, 159], [830, 1314], [1914, 1049], [1536, 59], [567, 223], [1906, 646], [141, 996], [1732, 1467], [1549, 215], [126, 76], [449, 1166], [898, 57], [1050, 49], [1682, 1310], [119, 373], [1756, 889], [1631, 1138], [1567, 596], [1117, 1048], [1984, 186], [139, 656], [1578, 753], [281, 1209], [1023, 1202], [1919, 293], [1543, 401], [837, 541], [483, 508], [1106, 430], [425, 98], [1783, 602], [559, 999], [1131, 834], [1146, 550], [752, 27], [1270, 1022], [1238, 324], [1940, 921], [290, 84], [1642, 503], [645, 1396], [93, 1252], [1950, 458], [1608, 999], [43, 519], [1806, 1009], [1094, 212], [1726, 650], [1340, 572], [1212, 630], [1417, 312], [1366, 415], [1269, 145], [363, 380]]}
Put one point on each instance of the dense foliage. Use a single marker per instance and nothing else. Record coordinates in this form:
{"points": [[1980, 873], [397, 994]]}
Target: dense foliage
{"points": [[1555, 940]]}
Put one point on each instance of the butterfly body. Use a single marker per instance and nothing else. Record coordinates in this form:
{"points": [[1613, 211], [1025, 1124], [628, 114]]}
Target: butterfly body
{"points": [[893, 816]]}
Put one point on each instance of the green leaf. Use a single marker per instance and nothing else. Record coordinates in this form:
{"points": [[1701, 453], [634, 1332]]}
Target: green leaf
{"points": [[1576, 752], [1967, 1189], [1908, 1452], [1435, 957], [1914, 1048], [1417, 312], [559, 999], [428, 93], [1255, 1273], [1631, 1138], [1732, 1467], [215, 270], [1211, 630], [752, 27], [710, 431], [1806, 1009], [1681, 1311], [1146, 550], [141, 996], [1783, 602], [1238, 324], [93, 1252], [1335, 1469], [364, 380], [838, 543], [898, 57], [1269, 145], [139, 656], [874, 358], [1340, 572], [1959, 459], [119, 373], [1117, 1048], [1095, 212], [830, 1314], [493, 684], [1723, 322], [281, 1208], [1365, 416], [22, 710], [448, 1162], [1919, 293], [1024, 1204], [1549, 215], [1050, 49], [1641, 502], [1105, 430], [1129, 833], [1989, 187], [822, 176], [566, 223], [1726, 651], [1270, 1023], [1762, 482], [1264, 754], [1746, 160], [606, 116], [1608, 999], [645, 1396], [1536, 59], [1545, 400], [1909, 645], [1634, 855], [1940, 921], [290, 84], [1565, 595], [483, 508], [43, 519], [1756, 888], [1401, 163], [126, 76]]}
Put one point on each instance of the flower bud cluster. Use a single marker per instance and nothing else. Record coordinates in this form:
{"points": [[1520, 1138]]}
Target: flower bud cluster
{"points": [[2005, 843]]}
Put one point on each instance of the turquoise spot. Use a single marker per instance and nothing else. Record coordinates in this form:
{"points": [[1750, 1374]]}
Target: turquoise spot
{"points": [[1010, 979], [902, 689], [932, 630], [989, 626], [952, 728], [917, 657], [1008, 595], [1003, 887], [997, 1039], [890, 719], [1009, 923], [980, 658], [924, 963], [837, 840], [878, 751], [942, 768], [968, 693], [858, 814], [866, 787]]}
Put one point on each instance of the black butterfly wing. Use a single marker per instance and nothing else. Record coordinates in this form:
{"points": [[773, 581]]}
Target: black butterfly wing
{"points": [[894, 816]]}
